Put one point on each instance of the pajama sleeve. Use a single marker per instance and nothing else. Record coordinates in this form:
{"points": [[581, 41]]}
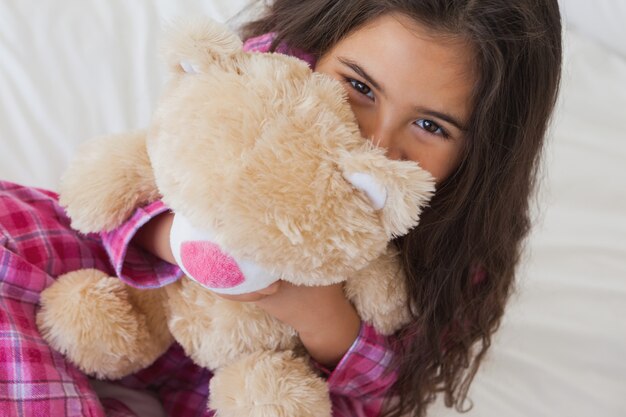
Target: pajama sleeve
{"points": [[364, 369], [133, 265], [360, 381]]}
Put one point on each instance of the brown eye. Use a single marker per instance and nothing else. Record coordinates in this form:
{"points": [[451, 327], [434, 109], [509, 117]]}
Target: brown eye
{"points": [[431, 127], [361, 88]]}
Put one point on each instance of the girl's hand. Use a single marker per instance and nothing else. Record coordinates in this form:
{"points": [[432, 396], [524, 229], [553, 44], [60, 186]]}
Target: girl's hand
{"points": [[325, 320]]}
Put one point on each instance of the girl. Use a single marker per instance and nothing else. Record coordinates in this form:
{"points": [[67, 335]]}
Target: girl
{"points": [[463, 87]]}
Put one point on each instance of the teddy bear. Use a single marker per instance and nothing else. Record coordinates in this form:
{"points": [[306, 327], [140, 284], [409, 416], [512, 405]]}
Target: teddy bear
{"points": [[262, 162]]}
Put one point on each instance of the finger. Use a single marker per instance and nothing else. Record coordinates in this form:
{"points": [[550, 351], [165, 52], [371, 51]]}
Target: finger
{"points": [[271, 289], [253, 296], [248, 297]]}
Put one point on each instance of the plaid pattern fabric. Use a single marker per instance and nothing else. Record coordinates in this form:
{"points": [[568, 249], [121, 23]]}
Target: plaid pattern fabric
{"points": [[181, 385], [363, 372], [116, 408], [359, 382], [135, 266], [36, 245], [264, 42]]}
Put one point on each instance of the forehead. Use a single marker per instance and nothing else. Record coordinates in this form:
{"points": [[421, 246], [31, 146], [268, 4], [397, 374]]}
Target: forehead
{"points": [[412, 61]]}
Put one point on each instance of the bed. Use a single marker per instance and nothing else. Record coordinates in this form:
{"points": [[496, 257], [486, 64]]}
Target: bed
{"points": [[74, 69]]}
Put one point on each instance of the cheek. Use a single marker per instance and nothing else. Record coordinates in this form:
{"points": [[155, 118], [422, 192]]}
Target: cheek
{"points": [[365, 117], [440, 159]]}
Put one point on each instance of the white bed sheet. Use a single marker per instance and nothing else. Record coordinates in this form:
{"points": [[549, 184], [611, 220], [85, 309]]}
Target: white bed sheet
{"points": [[73, 69]]}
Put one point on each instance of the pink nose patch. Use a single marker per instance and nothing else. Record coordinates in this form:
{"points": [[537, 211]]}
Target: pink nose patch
{"points": [[208, 265]]}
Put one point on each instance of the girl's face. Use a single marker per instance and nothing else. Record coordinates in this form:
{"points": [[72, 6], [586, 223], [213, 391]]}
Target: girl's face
{"points": [[409, 88]]}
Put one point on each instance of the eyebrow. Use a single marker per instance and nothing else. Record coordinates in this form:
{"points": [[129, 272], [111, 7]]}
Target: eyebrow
{"points": [[443, 116], [428, 112], [359, 70]]}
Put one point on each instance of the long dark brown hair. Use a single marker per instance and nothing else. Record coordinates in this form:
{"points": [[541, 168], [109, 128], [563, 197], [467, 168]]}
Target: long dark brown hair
{"points": [[477, 221]]}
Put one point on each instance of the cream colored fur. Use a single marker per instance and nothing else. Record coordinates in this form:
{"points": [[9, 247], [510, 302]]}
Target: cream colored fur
{"points": [[129, 182], [257, 148], [106, 327]]}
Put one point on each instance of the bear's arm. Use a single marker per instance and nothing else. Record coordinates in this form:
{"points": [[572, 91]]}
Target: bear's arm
{"points": [[109, 177], [378, 293]]}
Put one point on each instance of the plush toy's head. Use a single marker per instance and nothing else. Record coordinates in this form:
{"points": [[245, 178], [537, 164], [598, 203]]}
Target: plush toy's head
{"points": [[265, 157]]}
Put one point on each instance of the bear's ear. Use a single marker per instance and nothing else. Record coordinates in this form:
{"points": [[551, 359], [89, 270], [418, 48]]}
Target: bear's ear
{"points": [[365, 182], [193, 45], [398, 190]]}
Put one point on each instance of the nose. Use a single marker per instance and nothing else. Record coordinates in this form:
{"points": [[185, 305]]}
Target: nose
{"points": [[384, 136]]}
